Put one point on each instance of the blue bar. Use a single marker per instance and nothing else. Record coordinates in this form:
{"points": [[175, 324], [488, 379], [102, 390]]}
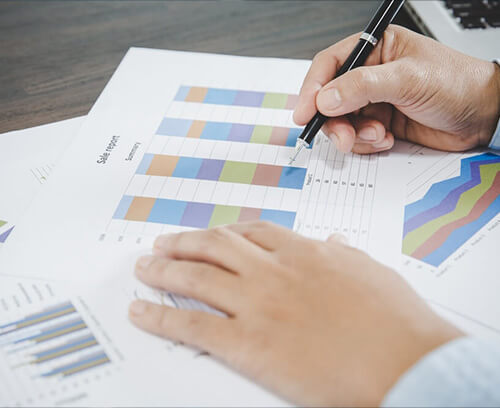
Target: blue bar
{"points": [[182, 93], [284, 218], [74, 365], [51, 330], [292, 177], [167, 211], [123, 207], [174, 127], [145, 163], [36, 316], [220, 96], [65, 347], [293, 135], [187, 167], [216, 131]]}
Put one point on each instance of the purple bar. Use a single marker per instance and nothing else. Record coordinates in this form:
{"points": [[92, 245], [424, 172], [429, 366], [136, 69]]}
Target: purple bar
{"points": [[210, 169], [197, 215], [249, 98], [240, 133]]}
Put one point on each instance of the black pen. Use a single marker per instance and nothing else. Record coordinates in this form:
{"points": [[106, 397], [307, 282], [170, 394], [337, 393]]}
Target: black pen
{"points": [[367, 42]]}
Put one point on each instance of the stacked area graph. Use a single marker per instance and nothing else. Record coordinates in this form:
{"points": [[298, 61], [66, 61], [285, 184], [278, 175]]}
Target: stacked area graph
{"points": [[453, 210]]}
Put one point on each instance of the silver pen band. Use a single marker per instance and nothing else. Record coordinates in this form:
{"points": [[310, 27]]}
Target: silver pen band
{"points": [[370, 38]]}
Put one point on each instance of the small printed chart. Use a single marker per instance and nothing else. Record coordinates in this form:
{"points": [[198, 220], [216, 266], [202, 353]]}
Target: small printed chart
{"points": [[453, 209]]}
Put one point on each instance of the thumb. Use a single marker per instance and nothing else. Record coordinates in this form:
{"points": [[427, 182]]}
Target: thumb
{"points": [[362, 86]]}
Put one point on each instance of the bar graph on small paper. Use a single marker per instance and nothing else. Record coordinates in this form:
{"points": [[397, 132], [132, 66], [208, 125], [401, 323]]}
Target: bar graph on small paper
{"points": [[41, 349]]}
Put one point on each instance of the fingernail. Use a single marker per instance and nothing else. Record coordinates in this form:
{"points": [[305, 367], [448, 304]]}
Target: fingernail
{"points": [[384, 144], [331, 98], [335, 139], [162, 241], [137, 307], [368, 133], [340, 238], [143, 262]]}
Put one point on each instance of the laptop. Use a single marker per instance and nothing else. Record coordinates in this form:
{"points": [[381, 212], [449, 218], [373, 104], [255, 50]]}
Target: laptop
{"points": [[469, 26]]}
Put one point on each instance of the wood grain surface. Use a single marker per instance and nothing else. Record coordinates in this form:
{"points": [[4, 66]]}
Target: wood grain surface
{"points": [[56, 56]]}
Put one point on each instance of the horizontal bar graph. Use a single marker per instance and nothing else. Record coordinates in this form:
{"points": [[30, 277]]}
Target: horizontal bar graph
{"points": [[193, 214], [236, 97], [453, 210], [56, 339], [222, 170], [231, 132]]}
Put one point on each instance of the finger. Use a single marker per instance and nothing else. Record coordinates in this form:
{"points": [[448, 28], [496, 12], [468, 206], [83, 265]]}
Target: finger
{"points": [[323, 68], [364, 85], [266, 235], [327, 62], [207, 283], [368, 130], [338, 238], [218, 246], [367, 148], [379, 111], [202, 330], [342, 133]]}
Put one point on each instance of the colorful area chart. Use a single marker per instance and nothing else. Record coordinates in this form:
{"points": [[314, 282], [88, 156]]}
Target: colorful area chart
{"points": [[453, 210]]}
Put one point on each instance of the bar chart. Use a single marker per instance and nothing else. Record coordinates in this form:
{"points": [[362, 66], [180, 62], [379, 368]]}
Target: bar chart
{"points": [[222, 170], [195, 215], [41, 350], [218, 156], [236, 97], [233, 132]]}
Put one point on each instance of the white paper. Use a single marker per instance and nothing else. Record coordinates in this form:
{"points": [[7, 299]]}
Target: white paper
{"points": [[27, 158], [75, 232], [467, 280]]}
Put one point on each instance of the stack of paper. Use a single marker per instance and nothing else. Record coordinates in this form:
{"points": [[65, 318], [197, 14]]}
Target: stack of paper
{"points": [[179, 141]]}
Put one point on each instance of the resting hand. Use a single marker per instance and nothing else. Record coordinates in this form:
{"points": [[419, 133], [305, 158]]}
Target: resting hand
{"points": [[411, 87], [319, 323]]}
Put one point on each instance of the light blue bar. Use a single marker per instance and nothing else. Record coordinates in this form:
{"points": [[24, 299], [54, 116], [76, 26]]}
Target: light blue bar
{"points": [[145, 163], [75, 365], [284, 218], [65, 346], [220, 96], [187, 167], [293, 135], [216, 131], [292, 177], [45, 312], [123, 207], [182, 93], [174, 127], [167, 211]]}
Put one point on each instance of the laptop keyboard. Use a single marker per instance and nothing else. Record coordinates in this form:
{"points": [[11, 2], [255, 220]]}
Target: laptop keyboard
{"points": [[474, 14]]}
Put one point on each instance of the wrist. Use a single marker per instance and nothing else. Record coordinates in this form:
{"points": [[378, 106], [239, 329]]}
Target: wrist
{"points": [[493, 105]]}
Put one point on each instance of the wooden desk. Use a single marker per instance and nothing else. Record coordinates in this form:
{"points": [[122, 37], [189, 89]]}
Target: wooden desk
{"points": [[56, 56]]}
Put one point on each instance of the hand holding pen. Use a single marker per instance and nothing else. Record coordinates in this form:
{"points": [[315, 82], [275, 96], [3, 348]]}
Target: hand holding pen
{"points": [[368, 40]]}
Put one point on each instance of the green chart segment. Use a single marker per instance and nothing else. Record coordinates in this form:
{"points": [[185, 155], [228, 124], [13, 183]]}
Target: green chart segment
{"points": [[453, 210]]}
